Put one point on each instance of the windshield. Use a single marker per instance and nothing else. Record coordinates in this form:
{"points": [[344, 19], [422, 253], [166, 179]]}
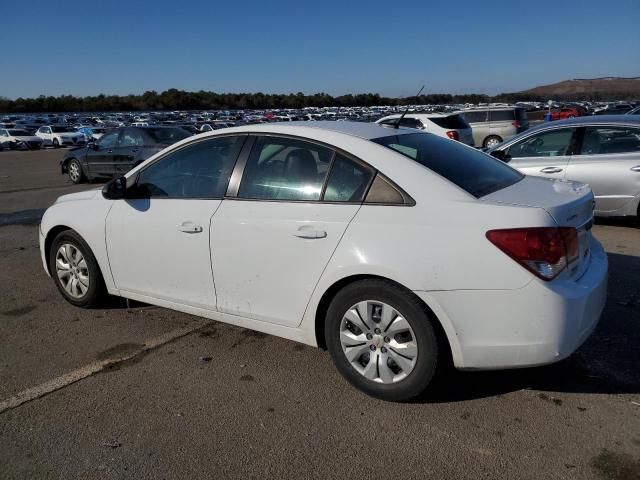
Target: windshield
{"points": [[473, 171], [57, 129], [167, 135]]}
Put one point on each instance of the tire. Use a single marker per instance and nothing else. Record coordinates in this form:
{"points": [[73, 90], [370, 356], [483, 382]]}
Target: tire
{"points": [[56, 144], [74, 169], [492, 141], [75, 270], [416, 347]]}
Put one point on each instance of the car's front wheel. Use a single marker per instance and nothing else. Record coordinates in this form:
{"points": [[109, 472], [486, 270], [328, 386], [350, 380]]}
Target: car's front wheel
{"points": [[76, 175], [75, 270], [56, 144], [382, 340]]}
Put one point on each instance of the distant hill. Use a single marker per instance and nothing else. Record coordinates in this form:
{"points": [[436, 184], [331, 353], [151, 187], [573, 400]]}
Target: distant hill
{"points": [[585, 88]]}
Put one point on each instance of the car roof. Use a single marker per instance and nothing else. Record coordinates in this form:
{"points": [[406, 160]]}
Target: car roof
{"points": [[591, 120], [365, 130]]}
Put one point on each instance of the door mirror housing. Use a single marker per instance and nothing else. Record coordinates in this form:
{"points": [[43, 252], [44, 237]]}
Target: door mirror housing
{"points": [[93, 145], [500, 155], [116, 189]]}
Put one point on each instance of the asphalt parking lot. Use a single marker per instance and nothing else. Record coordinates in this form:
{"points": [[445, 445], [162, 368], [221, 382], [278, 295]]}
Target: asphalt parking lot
{"points": [[176, 396]]}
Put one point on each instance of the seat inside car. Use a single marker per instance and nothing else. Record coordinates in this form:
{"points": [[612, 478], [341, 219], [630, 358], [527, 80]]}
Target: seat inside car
{"points": [[300, 170]]}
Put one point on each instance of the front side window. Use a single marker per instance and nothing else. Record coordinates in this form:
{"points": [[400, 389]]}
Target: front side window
{"points": [[198, 170], [131, 138], [285, 169], [348, 181], [109, 140], [610, 140], [473, 171], [546, 144]]}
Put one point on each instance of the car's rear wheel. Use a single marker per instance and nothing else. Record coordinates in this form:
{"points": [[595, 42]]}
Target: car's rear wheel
{"points": [[75, 270], [382, 340], [492, 141], [76, 175], [56, 144]]}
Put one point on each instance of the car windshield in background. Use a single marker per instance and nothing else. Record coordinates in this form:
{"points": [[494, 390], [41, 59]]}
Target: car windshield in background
{"points": [[19, 133], [450, 121], [473, 171], [62, 130], [167, 135]]}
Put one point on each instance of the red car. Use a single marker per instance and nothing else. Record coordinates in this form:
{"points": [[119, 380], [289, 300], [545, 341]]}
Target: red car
{"points": [[565, 112]]}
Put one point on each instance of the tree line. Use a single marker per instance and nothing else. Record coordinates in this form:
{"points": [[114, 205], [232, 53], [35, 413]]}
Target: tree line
{"points": [[174, 99]]}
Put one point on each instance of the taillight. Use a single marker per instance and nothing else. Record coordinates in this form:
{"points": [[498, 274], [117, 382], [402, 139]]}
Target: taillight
{"points": [[516, 124], [452, 134], [544, 251]]}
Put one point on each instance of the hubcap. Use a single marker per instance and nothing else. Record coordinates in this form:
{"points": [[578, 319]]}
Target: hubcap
{"points": [[492, 142], [378, 342], [72, 270], [74, 171]]}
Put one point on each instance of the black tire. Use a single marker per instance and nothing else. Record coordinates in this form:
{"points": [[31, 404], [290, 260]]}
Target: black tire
{"points": [[55, 143], [72, 165], [490, 139], [96, 290], [418, 380]]}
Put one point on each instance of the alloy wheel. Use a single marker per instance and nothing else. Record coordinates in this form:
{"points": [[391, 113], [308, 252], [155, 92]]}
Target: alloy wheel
{"points": [[72, 270], [378, 342], [74, 171]]}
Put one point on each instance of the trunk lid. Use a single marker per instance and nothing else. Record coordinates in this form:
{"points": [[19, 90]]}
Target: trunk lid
{"points": [[569, 203]]}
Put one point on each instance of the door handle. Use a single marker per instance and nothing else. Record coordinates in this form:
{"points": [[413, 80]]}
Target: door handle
{"points": [[308, 231], [551, 170], [635, 169], [189, 227]]}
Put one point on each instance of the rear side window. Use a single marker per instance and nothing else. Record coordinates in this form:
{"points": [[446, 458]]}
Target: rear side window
{"points": [[610, 140], [348, 181], [456, 122], [285, 169], [501, 115], [475, 116], [473, 171]]}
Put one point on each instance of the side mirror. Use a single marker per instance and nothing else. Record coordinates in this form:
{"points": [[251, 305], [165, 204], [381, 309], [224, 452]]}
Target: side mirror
{"points": [[93, 145], [116, 189], [499, 154]]}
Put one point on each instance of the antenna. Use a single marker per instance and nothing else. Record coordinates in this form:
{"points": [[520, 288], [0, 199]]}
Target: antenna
{"points": [[397, 125]]}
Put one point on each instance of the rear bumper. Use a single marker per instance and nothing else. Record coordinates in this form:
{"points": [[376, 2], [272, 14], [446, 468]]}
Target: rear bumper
{"points": [[538, 324]]}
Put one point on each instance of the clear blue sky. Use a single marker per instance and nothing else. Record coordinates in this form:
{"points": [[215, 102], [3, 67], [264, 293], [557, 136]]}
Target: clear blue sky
{"points": [[391, 47]]}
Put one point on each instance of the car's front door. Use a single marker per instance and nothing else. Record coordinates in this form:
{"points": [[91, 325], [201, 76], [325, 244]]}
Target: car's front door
{"points": [[126, 152], [544, 154], [100, 155], [272, 238], [609, 161], [159, 240]]}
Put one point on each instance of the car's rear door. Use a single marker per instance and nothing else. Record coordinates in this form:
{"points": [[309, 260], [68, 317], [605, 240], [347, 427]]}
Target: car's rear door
{"points": [[608, 159], [276, 231], [543, 154], [159, 240]]}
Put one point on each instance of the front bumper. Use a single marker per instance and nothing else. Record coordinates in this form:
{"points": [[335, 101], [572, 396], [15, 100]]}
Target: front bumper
{"points": [[538, 324], [43, 256]]}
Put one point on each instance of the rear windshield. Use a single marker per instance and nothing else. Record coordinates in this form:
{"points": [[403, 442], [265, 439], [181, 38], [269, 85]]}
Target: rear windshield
{"points": [[521, 114], [473, 171], [167, 135], [450, 121]]}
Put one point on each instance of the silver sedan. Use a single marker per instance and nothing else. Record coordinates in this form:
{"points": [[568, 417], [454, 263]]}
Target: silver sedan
{"points": [[602, 151]]}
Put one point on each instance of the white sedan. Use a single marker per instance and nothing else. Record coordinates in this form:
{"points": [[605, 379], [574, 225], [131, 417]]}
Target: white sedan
{"points": [[60, 135], [395, 249], [15, 138]]}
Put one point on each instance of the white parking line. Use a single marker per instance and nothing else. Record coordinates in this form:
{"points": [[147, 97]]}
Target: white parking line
{"points": [[62, 381]]}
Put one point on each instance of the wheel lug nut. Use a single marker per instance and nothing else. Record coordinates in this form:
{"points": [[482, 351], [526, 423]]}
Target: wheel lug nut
{"points": [[383, 350], [387, 339], [377, 331], [372, 348], [369, 336]]}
